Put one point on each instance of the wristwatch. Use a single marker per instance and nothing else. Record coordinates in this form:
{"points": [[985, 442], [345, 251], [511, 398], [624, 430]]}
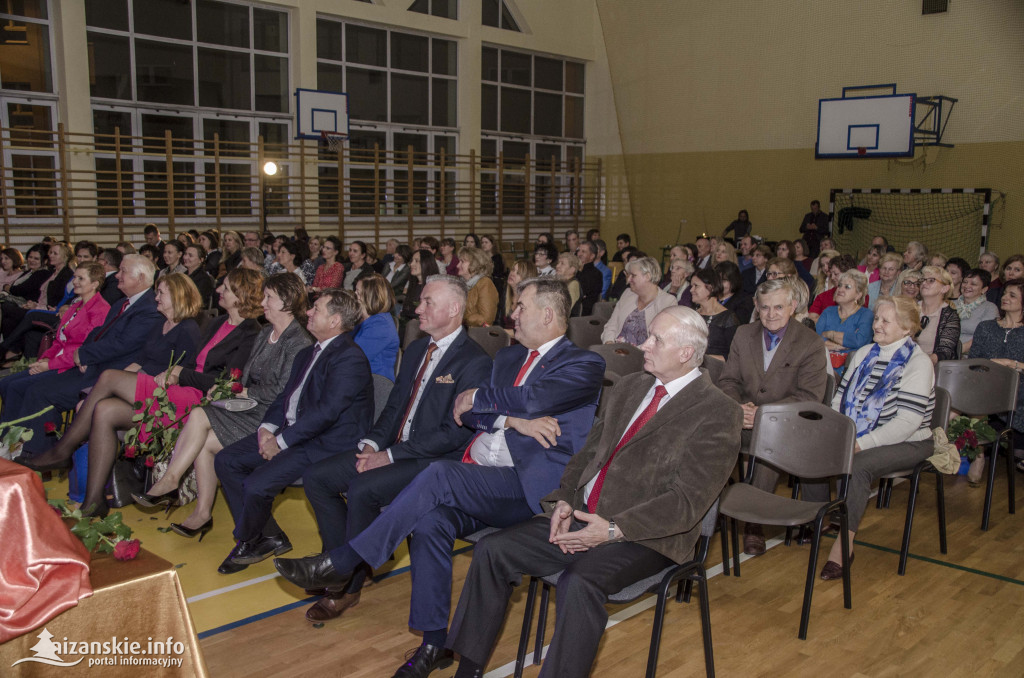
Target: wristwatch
{"points": [[611, 530]]}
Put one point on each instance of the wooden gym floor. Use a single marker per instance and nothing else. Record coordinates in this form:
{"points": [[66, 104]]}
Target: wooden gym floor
{"points": [[958, 614]]}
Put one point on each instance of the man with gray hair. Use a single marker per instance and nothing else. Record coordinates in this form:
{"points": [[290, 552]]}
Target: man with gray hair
{"points": [[113, 345], [629, 504], [415, 429], [776, 360], [531, 418]]}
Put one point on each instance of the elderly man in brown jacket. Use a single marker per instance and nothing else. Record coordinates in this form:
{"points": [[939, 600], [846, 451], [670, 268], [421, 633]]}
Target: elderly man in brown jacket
{"points": [[630, 503], [776, 360]]}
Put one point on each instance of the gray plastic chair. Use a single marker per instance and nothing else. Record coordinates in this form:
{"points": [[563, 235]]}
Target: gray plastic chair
{"points": [[620, 358], [714, 367], [810, 441], [490, 339], [610, 379], [381, 391], [980, 387], [412, 333], [940, 419], [686, 573], [603, 309], [586, 330]]}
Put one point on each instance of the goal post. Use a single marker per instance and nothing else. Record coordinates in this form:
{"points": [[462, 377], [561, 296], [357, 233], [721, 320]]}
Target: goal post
{"points": [[951, 221]]}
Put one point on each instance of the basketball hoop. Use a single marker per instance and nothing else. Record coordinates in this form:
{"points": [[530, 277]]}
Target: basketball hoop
{"points": [[332, 141]]}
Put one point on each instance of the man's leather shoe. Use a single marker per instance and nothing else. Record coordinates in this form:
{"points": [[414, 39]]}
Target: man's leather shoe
{"points": [[331, 606], [424, 659], [250, 552], [227, 567], [311, 572], [753, 544], [833, 570]]}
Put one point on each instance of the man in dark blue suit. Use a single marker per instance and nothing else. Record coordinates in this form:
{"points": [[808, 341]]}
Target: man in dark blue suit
{"points": [[415, 429], [535, 414], [112, 345], [326, 407]]}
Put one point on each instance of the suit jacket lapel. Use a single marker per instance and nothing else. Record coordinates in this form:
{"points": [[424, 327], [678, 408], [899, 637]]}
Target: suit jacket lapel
{"points": [[549, 358], [615, 427], [446, 360]]}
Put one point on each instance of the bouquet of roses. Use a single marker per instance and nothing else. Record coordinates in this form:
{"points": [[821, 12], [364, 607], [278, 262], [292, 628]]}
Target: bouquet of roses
{"points": [[109, 535], [968, 434]]}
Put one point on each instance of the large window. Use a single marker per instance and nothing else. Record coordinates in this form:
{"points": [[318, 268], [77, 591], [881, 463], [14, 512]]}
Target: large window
{"points": [[214, 75], [25, 61], [402, 90], [531, 105]]}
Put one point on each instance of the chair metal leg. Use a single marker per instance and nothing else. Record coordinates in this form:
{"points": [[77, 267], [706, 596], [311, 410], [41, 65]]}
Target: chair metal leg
{"points": [[659, 618], [1011, 476], [735, 547], [542, 624], [705, 624], [812, 566], [844, 524], [987, 510], [881, 493], [684, 591], [723, 530], [524, 635], [888, 491], [909, 524]]}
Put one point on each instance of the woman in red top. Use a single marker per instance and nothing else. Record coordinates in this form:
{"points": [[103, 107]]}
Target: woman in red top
{"points": [[331, 273]]}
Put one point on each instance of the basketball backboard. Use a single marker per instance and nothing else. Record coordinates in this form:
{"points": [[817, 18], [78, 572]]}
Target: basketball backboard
{"points": [[319, 111], [855, 126]]}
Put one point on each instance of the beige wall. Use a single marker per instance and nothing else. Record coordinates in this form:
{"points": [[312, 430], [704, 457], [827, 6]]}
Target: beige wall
{"points": [[717, 104]]}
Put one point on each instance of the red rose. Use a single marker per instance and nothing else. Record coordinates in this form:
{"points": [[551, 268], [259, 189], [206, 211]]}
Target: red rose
{"points": [[129, 452], [236, 373], [150, 461], [50, 427], [57, 510], [127, 549], [236, 387], [960, 441]]}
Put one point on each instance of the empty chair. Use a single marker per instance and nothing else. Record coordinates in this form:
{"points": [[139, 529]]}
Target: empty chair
{"points": [[940, 419], [684, 573], [620, 358], [490, 339], [586, 330], [603, 309], [381, 391], [808, 440], [979, 387]]}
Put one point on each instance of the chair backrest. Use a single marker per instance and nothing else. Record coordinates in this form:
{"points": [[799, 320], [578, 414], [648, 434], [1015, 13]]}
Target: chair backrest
{"points": [[603, 309], [586, 330], [490, 339], [714, 367], [412, 333], [381, 390], [808, 440], [610, 379], [978, 386], [620, 358], [707, 531], [830, 388], [940, 415]]}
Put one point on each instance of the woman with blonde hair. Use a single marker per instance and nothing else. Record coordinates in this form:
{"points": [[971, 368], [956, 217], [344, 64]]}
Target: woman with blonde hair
{"points": [[522, 269], [566, 269], [908, 284], [634, 312], [377, 334], [940, 323], [820, 270], [231, 244], [847, 325], [725, 252], [475, 269]]}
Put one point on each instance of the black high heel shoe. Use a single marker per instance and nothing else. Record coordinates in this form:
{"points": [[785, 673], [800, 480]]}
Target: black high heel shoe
{"points": [[156, 501], [94, 510], [30, 462], [190, 533]]}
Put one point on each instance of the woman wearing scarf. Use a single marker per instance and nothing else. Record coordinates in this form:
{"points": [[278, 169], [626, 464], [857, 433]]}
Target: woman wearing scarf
{"points": [[972, 306], [482, 302], [889, 392]]}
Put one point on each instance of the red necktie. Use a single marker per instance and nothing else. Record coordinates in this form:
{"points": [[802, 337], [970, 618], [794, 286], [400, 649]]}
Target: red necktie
{"points": [[124, 307], [467, 457], [416, 389], [642, 420]]}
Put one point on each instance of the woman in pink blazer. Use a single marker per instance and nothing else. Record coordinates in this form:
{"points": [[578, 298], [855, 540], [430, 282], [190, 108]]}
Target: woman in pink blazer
{"points": [[86, 313]]}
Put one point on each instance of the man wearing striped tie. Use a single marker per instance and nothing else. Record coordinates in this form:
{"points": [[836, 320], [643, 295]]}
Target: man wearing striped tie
{"points": [[531, 418], [629, 504]]}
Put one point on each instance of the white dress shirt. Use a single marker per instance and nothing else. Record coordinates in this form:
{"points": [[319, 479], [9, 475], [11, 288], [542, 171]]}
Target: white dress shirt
{"points": [[490, 448]]}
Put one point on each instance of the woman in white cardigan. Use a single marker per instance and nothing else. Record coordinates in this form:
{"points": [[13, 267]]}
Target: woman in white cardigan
{"points": [[889, 391], [635, 311]]}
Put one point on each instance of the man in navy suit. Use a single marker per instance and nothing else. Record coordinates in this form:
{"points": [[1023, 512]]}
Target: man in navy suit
{"points": [[415, 429], [112, 345], [534, 415], [326, 407]]}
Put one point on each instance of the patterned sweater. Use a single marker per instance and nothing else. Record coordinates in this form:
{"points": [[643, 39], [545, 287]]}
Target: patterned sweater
{"points": [[907, 411]]}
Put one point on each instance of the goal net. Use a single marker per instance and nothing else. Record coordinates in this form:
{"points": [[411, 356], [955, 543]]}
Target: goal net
{"points": [[950, 221]]}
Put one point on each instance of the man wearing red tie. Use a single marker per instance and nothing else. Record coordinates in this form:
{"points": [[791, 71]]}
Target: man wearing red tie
{"points": [[531, 419], [629, 504]]}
